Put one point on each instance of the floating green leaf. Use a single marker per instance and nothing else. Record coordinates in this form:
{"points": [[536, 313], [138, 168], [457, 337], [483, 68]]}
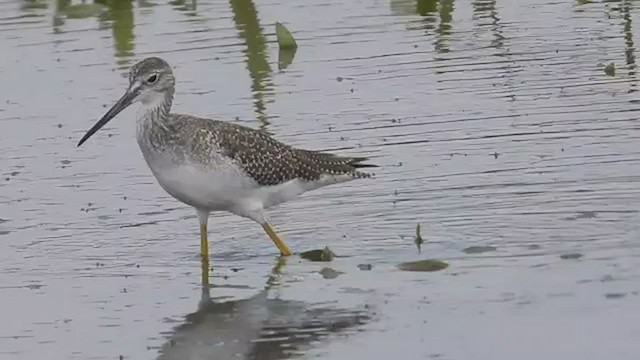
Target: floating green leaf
{"points": [[423, 265], [571, 256], [478, 249], [610, 69], [318, 255], [285, 39], [615, 295]]}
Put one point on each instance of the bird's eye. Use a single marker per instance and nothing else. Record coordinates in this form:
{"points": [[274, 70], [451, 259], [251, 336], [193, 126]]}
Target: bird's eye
{"points": [[151, 79]]}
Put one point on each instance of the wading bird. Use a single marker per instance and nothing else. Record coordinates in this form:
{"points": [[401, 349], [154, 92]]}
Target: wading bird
{"points": [[214, 165]]}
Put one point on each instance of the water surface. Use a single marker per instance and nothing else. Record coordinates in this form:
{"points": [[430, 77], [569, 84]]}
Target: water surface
{"points": [[493, 122]]}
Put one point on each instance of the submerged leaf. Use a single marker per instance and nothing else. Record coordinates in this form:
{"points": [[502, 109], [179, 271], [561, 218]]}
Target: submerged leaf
{"points": [[329, 273], [285, 57]]}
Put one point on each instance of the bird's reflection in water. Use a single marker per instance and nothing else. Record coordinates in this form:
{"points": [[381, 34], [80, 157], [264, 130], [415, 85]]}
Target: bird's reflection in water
{"points": [[261, 327]]}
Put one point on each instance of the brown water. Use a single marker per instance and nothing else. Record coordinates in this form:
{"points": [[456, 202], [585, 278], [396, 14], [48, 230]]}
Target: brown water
{"points": [[493, 122]]}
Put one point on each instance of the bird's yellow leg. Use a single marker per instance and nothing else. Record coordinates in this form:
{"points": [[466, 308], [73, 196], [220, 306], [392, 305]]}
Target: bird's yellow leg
{"points": [[204, 253], [205, 272], [284, 250], [204, 242]]}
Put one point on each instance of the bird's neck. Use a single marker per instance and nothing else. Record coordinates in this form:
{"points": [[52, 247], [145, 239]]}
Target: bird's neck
{"points": [[156, 106], [153, 120]]}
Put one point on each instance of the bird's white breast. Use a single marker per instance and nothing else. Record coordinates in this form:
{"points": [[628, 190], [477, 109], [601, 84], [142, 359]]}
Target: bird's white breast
{"points": [[211, 188]]}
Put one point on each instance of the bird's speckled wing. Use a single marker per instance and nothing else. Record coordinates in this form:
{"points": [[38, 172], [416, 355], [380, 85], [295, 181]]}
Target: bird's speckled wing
{"points": [[271, 162]]}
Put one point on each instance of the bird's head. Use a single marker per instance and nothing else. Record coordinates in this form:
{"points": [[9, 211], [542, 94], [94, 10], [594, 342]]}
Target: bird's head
{"points": [[150, 80]]}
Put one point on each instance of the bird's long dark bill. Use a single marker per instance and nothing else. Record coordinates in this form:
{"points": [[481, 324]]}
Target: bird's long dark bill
{"points": [[125, 100]]}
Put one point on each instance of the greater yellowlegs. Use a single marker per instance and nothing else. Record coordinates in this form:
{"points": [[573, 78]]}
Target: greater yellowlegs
{"points": [[214, 165]]}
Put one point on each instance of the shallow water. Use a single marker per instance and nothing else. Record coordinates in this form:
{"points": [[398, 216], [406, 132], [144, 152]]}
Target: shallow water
{"points": [[494, 125]]}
